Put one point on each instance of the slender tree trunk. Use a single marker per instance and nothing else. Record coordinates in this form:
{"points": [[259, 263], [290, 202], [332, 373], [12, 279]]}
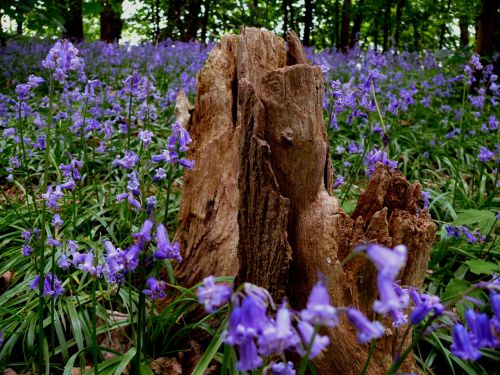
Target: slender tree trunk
{"points": [[174, 25], [399, 14], [73, 20], [416, 34], [192, 21], [487, 25], [204, 21], [442, 33], [157, 20], [308, 22], [346, 13], [110, 21], [464, 32], [356, 27], [285, 17], [387, 24], [336, 24]]}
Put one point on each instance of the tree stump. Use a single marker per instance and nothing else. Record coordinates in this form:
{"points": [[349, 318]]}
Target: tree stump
{"points": [[258, 204]]}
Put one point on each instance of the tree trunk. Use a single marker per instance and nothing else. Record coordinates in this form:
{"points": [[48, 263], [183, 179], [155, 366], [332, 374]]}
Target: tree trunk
{"points": [[285, 16], [464, 32], [356, 27], [399, 14], [258, 203], [110, 20], [346, 13], [191, 21], [73, 20], [308, 22], [204, 21], [442, 33], [487, 25], [387, 24], [174, 25]]}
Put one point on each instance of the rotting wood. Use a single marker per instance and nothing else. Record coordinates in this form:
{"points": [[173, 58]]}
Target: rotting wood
{"points": [[258, 204]]}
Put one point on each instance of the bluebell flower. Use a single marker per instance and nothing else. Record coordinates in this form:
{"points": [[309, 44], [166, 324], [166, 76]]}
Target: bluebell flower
{"points": [[280, 368], [63, 262], [495, 306], [26, 250], [367, 330], [481, 333], [318, 309], [485, 155], [378, 156], [166, 250], [279, 335], [150, 204], [425, 196], [155, 288], [388, 262], [316, 341], [161, 174], [144, 235], [249, 358], [389, 297], [51, 285], [462, 346], [245, 322], [128, 161], [57, 221], [424, 303], [213, 295]]}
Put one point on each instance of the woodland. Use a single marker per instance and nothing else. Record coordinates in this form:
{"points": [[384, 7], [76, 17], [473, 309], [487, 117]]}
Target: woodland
{"points": [[249, 187]]}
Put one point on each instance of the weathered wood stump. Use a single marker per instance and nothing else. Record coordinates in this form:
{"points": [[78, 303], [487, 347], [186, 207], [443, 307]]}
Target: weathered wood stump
{"points": [[257, 205]]}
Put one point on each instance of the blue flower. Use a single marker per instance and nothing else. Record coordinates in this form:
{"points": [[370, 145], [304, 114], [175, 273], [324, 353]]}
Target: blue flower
{"points": [[51, 285], [367, 330], [155, 288], [388, 262], [480, 330], [166, 250], [212, 295], [424, 303], [278, 336], [318, 310], [462, 346], [280, 368], [389, 298], [314, 340]]}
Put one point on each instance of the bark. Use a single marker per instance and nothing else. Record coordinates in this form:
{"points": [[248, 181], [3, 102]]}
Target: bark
{"points": [[399, 14], [110, 21], [258, 204], [387, 24], [308, 22], [356, 27], [204, 21], [73, 20], [336, 24], [487, 25], [344, 36], [174, 25], [464, 32], [444, 10], [192, 21]]}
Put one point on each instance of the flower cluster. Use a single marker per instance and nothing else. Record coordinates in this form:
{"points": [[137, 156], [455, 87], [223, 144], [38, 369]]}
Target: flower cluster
{"points": [[178, 141], [458, 231]]}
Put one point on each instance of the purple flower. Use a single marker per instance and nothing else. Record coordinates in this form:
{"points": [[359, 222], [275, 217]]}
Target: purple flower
{"points": [[425, 196], [280, 368], [155, 288], [485, 155], [495, 306], [63, 262], [312, 339], [481, 333], [128, 161], [160, 175], [145, 136], [338, 181], [150, 204], [278, 336], [389, 297], [51, 285], [462, 346], [26, 250], [133, 184], [57, 221], [166, 250], [144, 235], [246, 322], [318, 310], [388, 262], [249, 359], [179, 135], [62, 58], [377, 156], [52, 242], [213, 295], [424, 303], [367, 330]]}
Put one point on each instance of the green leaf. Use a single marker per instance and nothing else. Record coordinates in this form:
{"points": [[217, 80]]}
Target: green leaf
{"points": [[127, 357], [481, 218], [349, 206], [455, 288], [209, 354], [482, 267]]}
